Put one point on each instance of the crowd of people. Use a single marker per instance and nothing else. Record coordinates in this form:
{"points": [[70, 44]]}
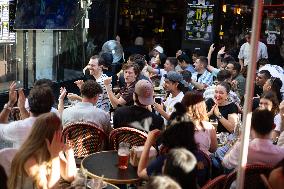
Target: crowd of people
{"points": [[184, 103]]}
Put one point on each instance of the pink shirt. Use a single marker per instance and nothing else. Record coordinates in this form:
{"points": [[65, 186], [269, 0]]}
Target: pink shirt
{"points": [[260, 151], [203, 137]]}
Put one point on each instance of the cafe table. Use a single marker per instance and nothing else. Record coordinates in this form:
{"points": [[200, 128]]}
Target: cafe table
{"points": [[105, 165]]}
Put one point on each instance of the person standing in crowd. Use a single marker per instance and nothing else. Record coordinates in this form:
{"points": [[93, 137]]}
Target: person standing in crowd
{"points": [[131, 72], [245, 54], [137, 48], [40, 100], [202, 78], [220, 108], [86, 110], [138, 115], [174, 84]]}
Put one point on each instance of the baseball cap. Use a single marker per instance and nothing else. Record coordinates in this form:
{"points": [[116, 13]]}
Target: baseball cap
{"points": [[144, 90], [174, 76], [159, 49]]}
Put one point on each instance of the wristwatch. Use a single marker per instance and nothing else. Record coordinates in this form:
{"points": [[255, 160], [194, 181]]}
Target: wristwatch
{"points": [[6, 106], [219, 116]]}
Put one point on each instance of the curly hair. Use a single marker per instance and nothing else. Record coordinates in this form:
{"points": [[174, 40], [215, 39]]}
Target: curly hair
{"points": [[131, 64], [40, 99], [90, 89]]}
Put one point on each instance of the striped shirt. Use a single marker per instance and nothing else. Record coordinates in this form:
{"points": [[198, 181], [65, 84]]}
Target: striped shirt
{"points": [[103, 101], [206, 78]]}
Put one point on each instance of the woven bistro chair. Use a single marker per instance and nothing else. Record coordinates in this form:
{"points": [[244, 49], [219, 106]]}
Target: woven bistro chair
{"points": [[216, 183], [204, 168], [84, 137], [130, 135], [252, 176]]}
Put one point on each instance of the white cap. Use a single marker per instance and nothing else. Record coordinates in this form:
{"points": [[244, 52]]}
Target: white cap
{"points": [[159, 49]]}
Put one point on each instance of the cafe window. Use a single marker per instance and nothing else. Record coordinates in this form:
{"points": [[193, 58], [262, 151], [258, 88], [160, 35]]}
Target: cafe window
{"points": [[28, 54]]}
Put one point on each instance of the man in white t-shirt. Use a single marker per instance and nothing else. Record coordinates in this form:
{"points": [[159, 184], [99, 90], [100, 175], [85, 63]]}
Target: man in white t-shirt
{"points": [[174, 84], [245, 54]]}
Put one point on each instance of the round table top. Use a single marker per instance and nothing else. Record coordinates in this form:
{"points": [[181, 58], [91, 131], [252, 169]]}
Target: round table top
{"points": [[104, 165]]}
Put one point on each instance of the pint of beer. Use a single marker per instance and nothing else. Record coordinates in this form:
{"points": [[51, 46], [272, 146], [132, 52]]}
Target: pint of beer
{"points": [[123, 155]]}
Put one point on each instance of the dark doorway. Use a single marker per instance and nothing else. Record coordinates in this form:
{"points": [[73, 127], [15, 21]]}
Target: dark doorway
{"points": [[157, 21]]}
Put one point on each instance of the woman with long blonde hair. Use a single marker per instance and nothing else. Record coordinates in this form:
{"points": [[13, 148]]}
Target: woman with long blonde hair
{"points": [[40, 161], [205, 133]]}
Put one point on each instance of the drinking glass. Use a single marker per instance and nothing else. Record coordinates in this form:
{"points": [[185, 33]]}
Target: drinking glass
{"points": [[123, 155], [214, 122]]}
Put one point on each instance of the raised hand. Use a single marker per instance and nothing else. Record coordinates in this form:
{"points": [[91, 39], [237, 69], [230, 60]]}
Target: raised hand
{"points": [[63, 93], [56, 145], [212, 110], [12, 94], [79, 83], [221, 51], [211, 49], [234, 84], [152, 137], [216, 111], [21, 98], [107, 81], [73, 97], [158, 107]]}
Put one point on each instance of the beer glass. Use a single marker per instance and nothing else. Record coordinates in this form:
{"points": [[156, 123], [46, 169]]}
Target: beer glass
{"points": [[123, 155]]}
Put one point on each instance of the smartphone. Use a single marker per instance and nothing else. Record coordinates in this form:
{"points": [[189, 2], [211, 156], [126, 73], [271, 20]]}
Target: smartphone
{"points": [[158, 100]]}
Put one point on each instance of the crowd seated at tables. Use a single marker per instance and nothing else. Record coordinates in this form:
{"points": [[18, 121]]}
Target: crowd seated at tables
{"points": [[173, 100]]}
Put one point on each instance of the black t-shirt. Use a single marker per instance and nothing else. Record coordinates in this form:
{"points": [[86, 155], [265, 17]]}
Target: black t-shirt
{"points": [[257, 90], [137, 117], [255, 103], [224, 110]]}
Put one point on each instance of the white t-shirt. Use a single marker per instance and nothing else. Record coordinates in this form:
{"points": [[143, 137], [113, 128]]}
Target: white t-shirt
{"points": [[17, 131], [245, 52], [277, 122], [171, 102]]}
